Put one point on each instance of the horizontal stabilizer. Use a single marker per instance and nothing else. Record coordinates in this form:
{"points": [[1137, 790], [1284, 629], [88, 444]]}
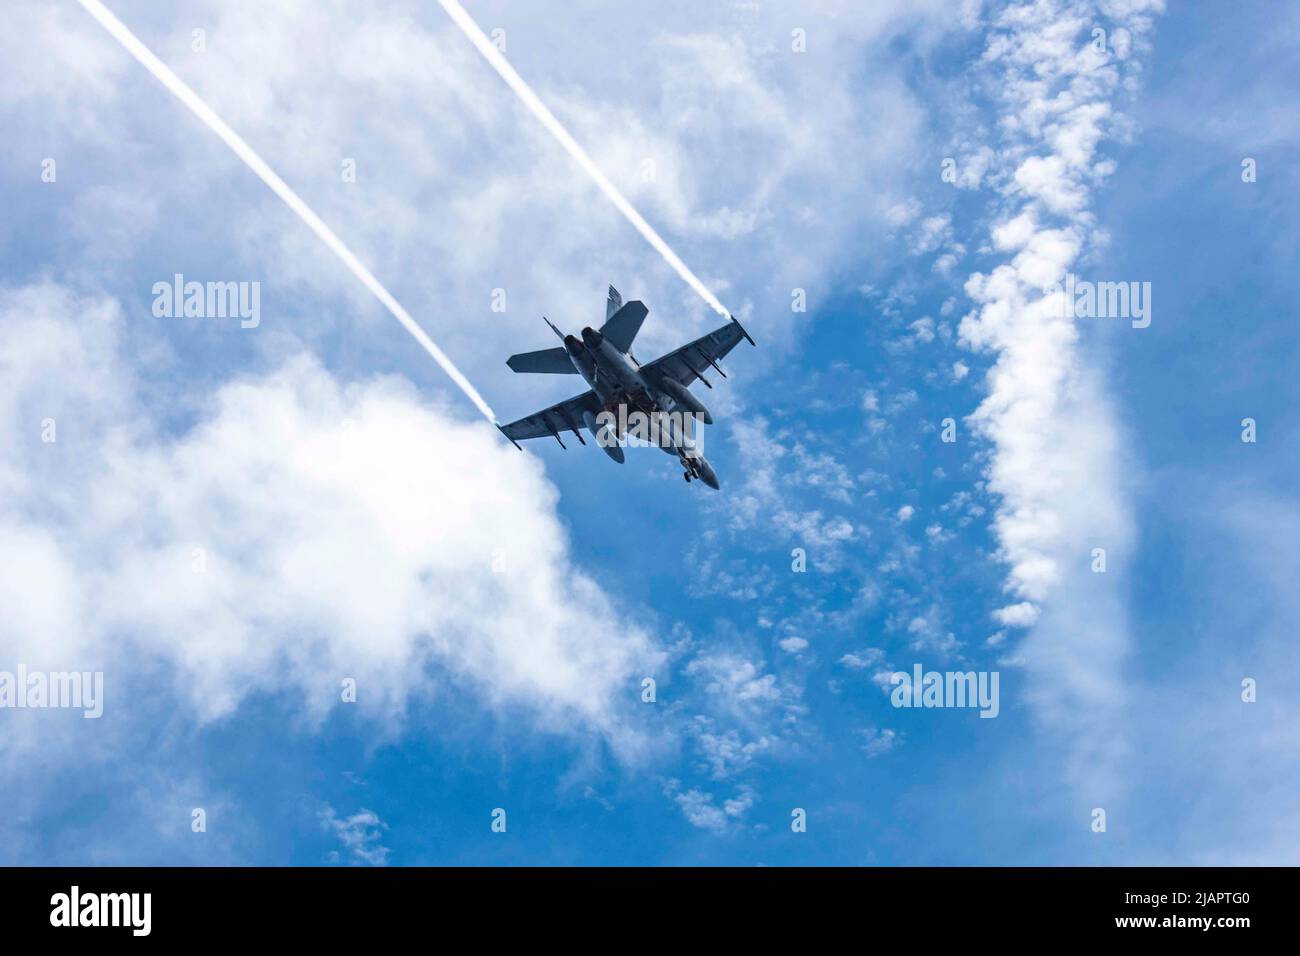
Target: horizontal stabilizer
{"points": [[544, 361]]}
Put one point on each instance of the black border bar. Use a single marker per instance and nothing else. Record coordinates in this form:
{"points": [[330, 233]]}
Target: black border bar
{"points": [[333, 904]]}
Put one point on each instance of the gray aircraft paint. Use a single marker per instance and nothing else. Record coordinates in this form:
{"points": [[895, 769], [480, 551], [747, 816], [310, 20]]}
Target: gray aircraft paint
{"points": [[603, 360]]}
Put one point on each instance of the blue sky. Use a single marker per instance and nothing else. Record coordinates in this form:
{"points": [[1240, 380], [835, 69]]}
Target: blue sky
{"points": [[346, 506]]}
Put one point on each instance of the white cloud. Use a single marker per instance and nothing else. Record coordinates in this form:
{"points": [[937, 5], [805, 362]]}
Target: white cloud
{"points": [[1055, 466], [700, 810], [737, 682], [878, 741], [452, 173], [923, 329], [300, 532], [727, 754], [769, 492], [1045, 178], [861, 660], [360, 835], [747, 712], [933, 232], [793, 645], [972, 166], [1023, 614], [927, 635]]}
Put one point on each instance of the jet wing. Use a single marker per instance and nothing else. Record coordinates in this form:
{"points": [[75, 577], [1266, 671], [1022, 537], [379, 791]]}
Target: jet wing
{"points": [[561, 417], [694, 358]]}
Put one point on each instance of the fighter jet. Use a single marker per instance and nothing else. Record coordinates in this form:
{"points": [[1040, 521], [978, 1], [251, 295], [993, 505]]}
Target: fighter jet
{"points": [[620, 385]]}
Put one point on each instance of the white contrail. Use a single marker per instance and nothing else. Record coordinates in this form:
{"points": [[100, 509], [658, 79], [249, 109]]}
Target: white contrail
{"points": [[547, 119], [291, 199]]}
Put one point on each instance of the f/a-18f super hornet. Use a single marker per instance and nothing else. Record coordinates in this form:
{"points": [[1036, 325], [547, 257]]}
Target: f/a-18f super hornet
{"points": [[621, 386]]}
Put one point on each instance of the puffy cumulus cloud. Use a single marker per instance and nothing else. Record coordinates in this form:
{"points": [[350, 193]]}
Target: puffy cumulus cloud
{"points": [[813, 528], [928, 635], [863, 659], [360, 835], [727, 754], [878, 741], [1056, 447], [793, 645], [972, 164], [299, 532], [933, 232], [1023, 614], [1044, 178], [700, 810], [738, 684]]}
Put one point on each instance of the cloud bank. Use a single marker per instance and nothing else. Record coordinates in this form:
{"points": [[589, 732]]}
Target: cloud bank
{"points": [[302, 531]]}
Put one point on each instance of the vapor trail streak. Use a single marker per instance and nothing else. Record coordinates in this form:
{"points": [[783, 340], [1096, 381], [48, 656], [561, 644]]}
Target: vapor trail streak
{"points": [[499, 63], [177, 86]]}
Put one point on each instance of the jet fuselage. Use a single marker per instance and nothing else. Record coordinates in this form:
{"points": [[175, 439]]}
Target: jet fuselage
{"points": [[617, 381], [627, 401]]}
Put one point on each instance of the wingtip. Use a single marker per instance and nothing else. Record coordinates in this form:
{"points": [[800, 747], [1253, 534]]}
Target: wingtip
{"points": [[743, 332], [502, 430]]}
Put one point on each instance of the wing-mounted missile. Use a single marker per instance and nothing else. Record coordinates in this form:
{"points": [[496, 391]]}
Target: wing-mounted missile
{"points": [[604, 436], [682, 396]]}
